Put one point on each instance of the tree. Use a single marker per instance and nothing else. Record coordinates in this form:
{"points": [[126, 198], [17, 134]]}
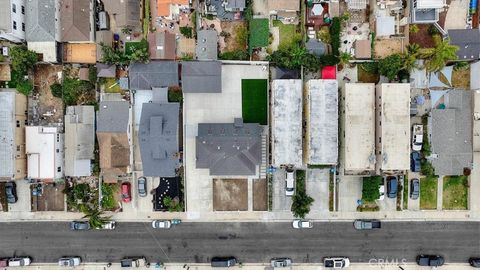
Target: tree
{"points": [[345, 58], [56, 89], [370, 187], [413, 28], [173, 205], [25, 87], [391, 66], [186, 31], [437, 57], [95, 218], [410, 57], [301, 202], [335, 31], [22, 59]]}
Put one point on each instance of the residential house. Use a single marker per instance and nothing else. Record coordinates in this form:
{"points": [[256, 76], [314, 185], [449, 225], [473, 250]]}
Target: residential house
{"points": [[322, 123], [79, 140], [13, 116], [229, 148], [169, 9], [207, 45], [106, 71], [316, 47], [284, 10], [468, 42], [103, 38], [80, 53], [162, 45], [451, 133], [202, 77], [426, 11], [287, 109], [359, 128], [76, 21], [125, 13], [159, 139], [225, 10], [153, 74], [44, 149], [393, 127], [43, 29], [12, 20], [114, 139]]}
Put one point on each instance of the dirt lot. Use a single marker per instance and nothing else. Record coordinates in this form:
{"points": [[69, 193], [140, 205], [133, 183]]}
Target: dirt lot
{"points": [[230, 195], [461, 78], [51, 199], [235, 41], [386, 47], [49, 107], [260, 195], [422, 37]]}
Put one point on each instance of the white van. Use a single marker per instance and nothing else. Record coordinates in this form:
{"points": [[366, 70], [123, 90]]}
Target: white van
{"points": [[290, 183], [19, 261]]}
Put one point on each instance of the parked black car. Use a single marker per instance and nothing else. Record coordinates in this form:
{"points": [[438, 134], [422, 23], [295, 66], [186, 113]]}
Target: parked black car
{"points": [[430, 260], [474, 262], [415, 162], [11, 192], [79, 225], [414, 189], [223, 261], [392, 186]]}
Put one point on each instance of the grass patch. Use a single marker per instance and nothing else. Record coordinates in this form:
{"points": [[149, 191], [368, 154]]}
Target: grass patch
{"points": [[132, 46], [455, 193], [428, 192], [112, 86], [146, 18], [461, 78], [254, 101], [367, 73], [259, 33], [108, 196], [331, 191], [405, 192], [288, 34]]}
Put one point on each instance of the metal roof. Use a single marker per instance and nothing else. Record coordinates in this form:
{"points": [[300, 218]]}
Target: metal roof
{"points": [[158, 137], [113, 116], [229, 148], [153, 74], [202, 77], [206, 48]]}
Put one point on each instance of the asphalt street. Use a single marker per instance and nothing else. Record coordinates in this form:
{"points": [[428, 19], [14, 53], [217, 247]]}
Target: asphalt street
{"points": [[249, 242]]}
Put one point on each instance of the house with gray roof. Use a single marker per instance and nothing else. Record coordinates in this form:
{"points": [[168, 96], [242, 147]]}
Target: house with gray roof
{"points": [[229, 148], [79, 140], [153, 74], [114, 139], [202, 77], [43, 28], [125, 12], [206, 48], [451, 133], [468, 42], [158, 136]]}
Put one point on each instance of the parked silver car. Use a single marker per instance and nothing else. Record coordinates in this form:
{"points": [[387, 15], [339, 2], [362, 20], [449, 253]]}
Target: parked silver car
{"points": [[281, 262], [142, 186], [414, 189], [69, 261]]}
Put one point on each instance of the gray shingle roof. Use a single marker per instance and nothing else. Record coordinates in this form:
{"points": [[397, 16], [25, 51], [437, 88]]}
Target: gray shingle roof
{"points": [[202, 77], [468, 41], [40, 20], [206, 48], [113, 116], [316, 47], [158, 136], [106, 71], [229, 149], [451, 134], [153, 74]]}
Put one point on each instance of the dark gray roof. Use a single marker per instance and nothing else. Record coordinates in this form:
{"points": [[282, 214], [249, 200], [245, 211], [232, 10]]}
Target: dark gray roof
{"points": [[40, 20], [153, 74], [206, 48], [315, 47], [283, 73], [202, 77], [468, 41], [158, 136], [229, 149], [451, 134], [106, 71], [235, 5], [113, 116]]}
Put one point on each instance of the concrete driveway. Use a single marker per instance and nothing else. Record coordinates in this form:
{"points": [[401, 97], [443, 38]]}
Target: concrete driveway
{"points": [[349, 192], [317, 187], [388, 204], [281, 202], [412, 204]]}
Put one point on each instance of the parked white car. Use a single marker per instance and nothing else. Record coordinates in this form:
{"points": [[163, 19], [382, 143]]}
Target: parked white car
{"points": [[109, 225], [381, 190], [161, 224], [69, 261], [302, 224], [290, 183], [19, 261], [417, 137], [336, 263]]}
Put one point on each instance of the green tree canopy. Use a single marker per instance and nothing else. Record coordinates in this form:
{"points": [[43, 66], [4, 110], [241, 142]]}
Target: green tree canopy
{"points": [[370, 187], [437, 57], [391, 66], [22, 59]]}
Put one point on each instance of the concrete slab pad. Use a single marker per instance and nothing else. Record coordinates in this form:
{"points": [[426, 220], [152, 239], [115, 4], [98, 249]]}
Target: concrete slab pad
{"points": [[281, 202], [317, 188], [349, 192]]}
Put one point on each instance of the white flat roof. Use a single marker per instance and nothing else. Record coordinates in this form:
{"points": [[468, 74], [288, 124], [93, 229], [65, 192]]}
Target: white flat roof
{"points": [[395, 126], [427, 4], [287, 122], [322, 121], [46, 48], [385, 26], [40, 149], [7, 134], [359, 126]]}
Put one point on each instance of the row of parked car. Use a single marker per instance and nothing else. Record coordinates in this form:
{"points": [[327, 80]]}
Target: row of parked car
{"points": [[84, 225], [26, 261], [392, 188]]}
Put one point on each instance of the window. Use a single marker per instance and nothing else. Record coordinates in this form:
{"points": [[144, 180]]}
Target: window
{"points": [[380, 139], [14, 25], [58, 151], [23, 10], [18, 147], [23, 27], [58, 137], [18, 123], [59, 169], [14, 8]]}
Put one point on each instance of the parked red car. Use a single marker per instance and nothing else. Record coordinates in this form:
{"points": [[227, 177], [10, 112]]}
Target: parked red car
{"points": [[126, 194]]}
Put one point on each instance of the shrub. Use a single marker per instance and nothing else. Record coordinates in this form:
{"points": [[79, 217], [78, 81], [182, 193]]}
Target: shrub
{"points": [[301, 201], [92, 74], [108, 196], [413, 28], [391, 66], [173, 205], [56, 89], [175, 95], [427, 168], [370, 191], [25, 87], [335, 30], [234, 55], [186, 31]]}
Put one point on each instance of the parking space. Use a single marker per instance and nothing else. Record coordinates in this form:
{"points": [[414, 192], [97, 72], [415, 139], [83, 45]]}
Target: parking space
{"points": [[24, 199], [281, 202], [413, 205], [349, 192], [317, 188], [49, 197], [388, 204]]}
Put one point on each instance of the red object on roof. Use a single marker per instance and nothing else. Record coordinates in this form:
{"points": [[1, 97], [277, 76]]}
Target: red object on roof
{"points": [[329, 72]]}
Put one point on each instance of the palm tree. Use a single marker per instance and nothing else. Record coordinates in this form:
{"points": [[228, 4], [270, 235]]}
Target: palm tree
{"points": [[410, 57], [436, 58], [94, 216], [345, 58]]}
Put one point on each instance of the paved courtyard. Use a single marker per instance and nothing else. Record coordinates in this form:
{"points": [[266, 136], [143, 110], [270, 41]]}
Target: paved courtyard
{"points": [[280, 202], [317, 188], [349, 192]]}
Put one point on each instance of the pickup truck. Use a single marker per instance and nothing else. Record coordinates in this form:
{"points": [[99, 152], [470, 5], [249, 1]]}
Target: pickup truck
{"points": [[362, 224], [417, 137]]}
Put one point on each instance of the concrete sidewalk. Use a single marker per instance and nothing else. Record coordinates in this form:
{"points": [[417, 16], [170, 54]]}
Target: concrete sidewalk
{"points": [[378, 266], [425, 215]]}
